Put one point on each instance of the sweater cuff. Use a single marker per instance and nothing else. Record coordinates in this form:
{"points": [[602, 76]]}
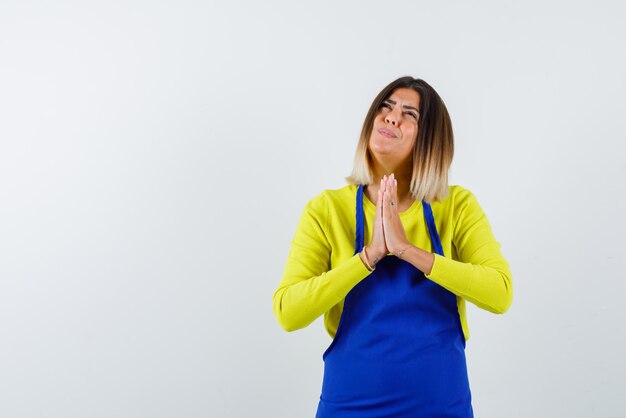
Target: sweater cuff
{"points": [[359, 268], [448, 273], [350, 273], [434, 271]]}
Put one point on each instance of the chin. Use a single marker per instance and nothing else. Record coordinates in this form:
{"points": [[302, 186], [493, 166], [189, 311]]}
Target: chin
{"points": [[381, 147]]}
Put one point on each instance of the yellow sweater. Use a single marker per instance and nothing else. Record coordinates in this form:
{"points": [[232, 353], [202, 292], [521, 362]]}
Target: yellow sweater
{"points": [[321, 268]]}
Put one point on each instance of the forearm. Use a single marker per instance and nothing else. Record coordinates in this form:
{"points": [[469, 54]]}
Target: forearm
{"points": [[298, 302], [422, 260], [487, 286]]}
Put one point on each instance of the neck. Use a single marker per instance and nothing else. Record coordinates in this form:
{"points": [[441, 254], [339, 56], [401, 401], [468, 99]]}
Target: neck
{"points": [[402, 172]]}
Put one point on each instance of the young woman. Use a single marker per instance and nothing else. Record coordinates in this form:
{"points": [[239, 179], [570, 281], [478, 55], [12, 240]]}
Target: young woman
{"points": [[390, 260]]}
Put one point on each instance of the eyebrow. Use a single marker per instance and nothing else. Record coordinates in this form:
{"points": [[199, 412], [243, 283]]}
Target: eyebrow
{"points": [[405, 106]]}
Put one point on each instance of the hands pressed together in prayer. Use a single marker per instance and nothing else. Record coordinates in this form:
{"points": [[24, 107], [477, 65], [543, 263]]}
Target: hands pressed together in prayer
{"points": [[388, 235]]}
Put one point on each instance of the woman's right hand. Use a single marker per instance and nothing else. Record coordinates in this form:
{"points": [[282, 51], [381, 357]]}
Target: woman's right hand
{"points": [[377, 249]]}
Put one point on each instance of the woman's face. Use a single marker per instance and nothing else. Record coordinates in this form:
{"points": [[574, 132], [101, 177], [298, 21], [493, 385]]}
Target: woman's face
{"points": [[395, 126]]}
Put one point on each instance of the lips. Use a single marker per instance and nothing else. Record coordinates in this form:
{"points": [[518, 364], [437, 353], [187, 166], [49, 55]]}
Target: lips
{"points": [[387, 133]]}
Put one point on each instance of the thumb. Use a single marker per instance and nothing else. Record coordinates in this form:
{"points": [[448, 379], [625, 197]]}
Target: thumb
{"points": [[379, 203]]}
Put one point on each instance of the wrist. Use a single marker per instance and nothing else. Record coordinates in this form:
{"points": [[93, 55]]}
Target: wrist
{"points": [[401, 252], [365, 260], [372, 255]]}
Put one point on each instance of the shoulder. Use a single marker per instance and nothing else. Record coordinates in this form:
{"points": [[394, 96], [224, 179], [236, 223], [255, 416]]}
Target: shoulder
{"points": [[459, 202], [332, 199], [457, 197], [460, 195], [341, 194]]}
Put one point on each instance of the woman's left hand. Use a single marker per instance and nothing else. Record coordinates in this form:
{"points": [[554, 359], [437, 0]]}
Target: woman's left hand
{"points": [[395, 236]]}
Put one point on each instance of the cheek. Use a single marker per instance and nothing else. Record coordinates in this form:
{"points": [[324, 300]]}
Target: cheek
{"points": [[413, 132]]}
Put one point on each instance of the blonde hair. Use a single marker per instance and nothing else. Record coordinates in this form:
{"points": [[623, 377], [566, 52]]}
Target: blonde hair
{"points": [[433, 149]]}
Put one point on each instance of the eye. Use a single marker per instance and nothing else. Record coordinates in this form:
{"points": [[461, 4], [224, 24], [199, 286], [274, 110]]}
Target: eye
{"points": [[385, 105], [412, 114]]}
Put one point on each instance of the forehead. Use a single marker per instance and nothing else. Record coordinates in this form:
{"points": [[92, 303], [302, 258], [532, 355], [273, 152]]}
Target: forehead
{"points": [[405, 96]]}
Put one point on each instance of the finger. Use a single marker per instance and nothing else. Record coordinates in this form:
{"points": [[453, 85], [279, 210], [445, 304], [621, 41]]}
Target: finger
{"points": [[384, 207], [395, 189], [384, 185], [387, 203], [389, 189]]}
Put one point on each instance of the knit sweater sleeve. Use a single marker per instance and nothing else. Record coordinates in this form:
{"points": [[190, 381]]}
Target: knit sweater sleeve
{"points": [[482, 275], [309, 287]]}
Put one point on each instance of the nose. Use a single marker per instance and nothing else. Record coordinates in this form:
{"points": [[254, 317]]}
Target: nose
{"points": [[392, 118]]}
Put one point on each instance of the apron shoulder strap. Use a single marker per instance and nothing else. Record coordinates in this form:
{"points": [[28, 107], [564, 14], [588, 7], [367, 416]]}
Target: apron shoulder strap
{"points": [[432, 228], [359, 241]]}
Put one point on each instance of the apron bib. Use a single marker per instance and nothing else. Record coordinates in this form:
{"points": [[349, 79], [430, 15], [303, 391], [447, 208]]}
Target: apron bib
{"points": [[399, 350]]}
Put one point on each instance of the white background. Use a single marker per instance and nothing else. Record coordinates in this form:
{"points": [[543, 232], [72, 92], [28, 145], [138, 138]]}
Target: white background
{"points": [[155, 158]]}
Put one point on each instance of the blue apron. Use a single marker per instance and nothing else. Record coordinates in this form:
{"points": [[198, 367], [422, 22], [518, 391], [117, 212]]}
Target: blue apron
{"points": [[399, 350]]}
